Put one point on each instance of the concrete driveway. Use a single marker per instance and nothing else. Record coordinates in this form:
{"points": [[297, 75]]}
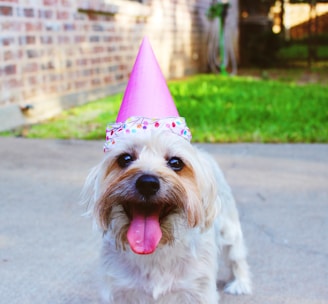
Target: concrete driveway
{"points": [[49, 252]]}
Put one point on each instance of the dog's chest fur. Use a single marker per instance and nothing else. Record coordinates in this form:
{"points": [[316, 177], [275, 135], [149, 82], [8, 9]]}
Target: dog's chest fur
{"points": [[186, 266], [188, 200]]}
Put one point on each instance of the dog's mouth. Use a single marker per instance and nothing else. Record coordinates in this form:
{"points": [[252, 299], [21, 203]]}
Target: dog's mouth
{"points": [[144, 232]]}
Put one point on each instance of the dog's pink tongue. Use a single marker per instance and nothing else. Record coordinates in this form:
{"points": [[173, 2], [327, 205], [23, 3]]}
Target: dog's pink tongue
{"points": [[144, 232]]}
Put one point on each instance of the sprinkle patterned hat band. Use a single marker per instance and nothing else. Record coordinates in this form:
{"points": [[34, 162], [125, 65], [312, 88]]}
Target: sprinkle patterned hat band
{"points": [[135, 125]]}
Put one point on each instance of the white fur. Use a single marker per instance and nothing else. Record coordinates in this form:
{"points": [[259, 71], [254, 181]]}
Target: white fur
{"points": [[186, 270]]}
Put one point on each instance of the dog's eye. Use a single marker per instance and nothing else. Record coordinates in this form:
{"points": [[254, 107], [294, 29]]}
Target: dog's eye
{"points": [[175, 163], [125, 160]]}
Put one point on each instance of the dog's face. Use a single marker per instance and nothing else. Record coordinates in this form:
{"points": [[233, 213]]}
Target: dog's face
{"points": [[148, 186]]}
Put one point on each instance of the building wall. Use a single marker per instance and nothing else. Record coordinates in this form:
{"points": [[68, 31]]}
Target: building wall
{"points": [[297, 19], [58, 53]]}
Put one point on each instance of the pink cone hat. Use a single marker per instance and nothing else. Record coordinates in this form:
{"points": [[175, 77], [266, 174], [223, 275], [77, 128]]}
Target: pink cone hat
{"points": [[147, 93], [147, 103]]}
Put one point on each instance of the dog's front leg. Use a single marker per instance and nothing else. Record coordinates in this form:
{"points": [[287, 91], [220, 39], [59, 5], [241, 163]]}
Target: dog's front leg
{"points": [[236, 257]]}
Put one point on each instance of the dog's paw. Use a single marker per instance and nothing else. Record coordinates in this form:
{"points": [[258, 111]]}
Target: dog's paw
{"points": [[238, 287]]}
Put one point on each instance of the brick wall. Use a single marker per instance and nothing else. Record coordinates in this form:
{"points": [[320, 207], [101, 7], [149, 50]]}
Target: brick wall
{"points": [[59, 53]]}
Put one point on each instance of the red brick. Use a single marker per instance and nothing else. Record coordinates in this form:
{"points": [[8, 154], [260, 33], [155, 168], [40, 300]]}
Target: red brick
{"points": [[66, 3], [122, 67], [79, 39], [6, 10], [33, 53], [69, 64], [95, 82], [108, 79], [63, 15], [10, 54], [64, 39], [47, 65], [107, 59], [50, 2], [46, 40], [11, 25], [88, 72], [33, 80], [78, 16], [94, 17], [24, 40], [82, 62], [85, 27], [123, 48], [10, 69], [95, 60], [5, 41], [30, 67], [46, 14], [25, 12], [80, 84], [99, 49], [53, 77], [98, 27], [112, 69], [107, 38], [119, 77], [69, 27], [111, 48], [13, 83], [30, 26], [28, 12], [94, 38]]}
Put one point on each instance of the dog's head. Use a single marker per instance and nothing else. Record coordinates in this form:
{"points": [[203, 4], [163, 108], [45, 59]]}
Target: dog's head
{"points": [[148, 186]]}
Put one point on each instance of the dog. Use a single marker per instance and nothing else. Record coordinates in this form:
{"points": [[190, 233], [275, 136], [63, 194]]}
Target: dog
{"points": [[167, 216]]}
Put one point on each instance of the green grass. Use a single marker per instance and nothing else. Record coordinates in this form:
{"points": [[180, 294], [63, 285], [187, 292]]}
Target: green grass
{"points": [[300, 51], [241, 109], [84, 122], [217, 109]]}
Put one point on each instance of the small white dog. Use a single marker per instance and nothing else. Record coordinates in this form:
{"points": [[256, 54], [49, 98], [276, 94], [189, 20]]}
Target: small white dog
{"points": [[166, 213]]}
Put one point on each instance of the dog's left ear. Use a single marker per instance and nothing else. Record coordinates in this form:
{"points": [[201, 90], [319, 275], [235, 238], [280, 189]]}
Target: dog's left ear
{"points": [[206, 176]]}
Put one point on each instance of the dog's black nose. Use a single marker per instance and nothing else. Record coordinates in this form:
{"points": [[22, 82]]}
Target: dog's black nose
{"points": [[147, 185]]}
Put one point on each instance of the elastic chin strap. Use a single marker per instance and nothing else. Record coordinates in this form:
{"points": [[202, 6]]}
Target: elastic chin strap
{"points": [[136, 124]]}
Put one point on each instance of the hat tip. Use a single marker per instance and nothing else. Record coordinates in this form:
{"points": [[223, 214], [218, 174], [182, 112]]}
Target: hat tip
{"points": [[147, 93]]}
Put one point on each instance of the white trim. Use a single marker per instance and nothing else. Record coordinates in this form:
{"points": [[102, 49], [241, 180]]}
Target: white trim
{"points": [[131, 8]]}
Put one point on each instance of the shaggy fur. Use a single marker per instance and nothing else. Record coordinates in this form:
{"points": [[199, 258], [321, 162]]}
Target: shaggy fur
{"points": [[198, 219]]}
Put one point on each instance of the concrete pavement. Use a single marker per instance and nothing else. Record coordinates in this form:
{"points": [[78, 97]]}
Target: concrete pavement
{"points": [[48, 252]]}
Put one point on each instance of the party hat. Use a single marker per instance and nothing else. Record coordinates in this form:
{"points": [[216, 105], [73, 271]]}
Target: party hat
{"points": [[147, 102], [147, 93]]}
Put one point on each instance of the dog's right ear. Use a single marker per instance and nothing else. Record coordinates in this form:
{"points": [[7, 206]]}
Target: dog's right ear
{"points": [[90, 191]]}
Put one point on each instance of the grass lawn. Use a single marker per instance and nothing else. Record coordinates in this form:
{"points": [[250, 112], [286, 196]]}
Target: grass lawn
{"points": [[217, 109], [301, 52]]}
